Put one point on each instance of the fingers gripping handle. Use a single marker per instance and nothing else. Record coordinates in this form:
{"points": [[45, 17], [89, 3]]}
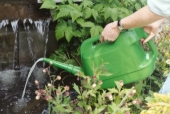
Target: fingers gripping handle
{"points": [[152, 46], [149, 41]]}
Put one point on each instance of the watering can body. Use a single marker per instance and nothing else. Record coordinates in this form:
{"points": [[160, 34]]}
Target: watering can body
{"points": [[124, 59]]}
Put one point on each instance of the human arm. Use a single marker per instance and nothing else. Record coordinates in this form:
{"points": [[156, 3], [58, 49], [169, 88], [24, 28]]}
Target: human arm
{"points": [[142, 17], [152, 29]]}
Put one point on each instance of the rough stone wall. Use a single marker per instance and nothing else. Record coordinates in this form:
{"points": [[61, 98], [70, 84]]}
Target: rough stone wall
{"points": [[21, 10]]}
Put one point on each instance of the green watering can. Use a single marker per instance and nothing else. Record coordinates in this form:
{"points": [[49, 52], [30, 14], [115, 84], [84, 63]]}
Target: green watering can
{"points": [[126, 58]]}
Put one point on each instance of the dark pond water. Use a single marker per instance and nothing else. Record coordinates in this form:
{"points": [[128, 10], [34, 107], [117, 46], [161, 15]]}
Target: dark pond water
{"points": [[20, 46], [12, 84]]}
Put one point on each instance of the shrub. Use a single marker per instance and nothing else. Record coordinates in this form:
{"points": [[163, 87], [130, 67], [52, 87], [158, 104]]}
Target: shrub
{"points": [[91, 99]]}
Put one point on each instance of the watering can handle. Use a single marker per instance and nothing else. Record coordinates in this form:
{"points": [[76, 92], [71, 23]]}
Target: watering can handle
{"points": [[143, 34], [153, 47], [90, 42]]}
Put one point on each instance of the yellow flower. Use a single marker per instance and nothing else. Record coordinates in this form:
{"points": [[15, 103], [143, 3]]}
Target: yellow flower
{"points": [[165, 73], [168, 61]]}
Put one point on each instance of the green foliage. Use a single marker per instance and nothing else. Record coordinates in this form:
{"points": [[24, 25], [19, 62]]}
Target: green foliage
{"points": [[157, 104], [91, 99], [48, 4], [154, 82], [162, 42], [67, 56], [88, 15], [81, 20]]}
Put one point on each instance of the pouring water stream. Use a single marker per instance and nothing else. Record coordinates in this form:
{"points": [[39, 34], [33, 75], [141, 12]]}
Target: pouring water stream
{"points": [[29, 74]]}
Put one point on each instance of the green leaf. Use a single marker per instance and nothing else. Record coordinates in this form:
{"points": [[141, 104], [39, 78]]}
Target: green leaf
{"points": [[92, 94], [96, 30], [87, 13], [114, 14], [149, 99], [118, 85], [70, 1], [87, 24], [139, 87], [80, 21], [76, 88], [143, 2], [95, 14], [107, 12], [62, 13], [75, 11], [69, 33], [124, 12], [48, 4], [98, 110], [137, 6], [87, 3], [58, 108], [71, 61], [112, 107], [72, 10], [77, 33], [77, 112], [60, 29], [65, 29], [55, 13], [113, 90], [80, 104], [98, 7]]}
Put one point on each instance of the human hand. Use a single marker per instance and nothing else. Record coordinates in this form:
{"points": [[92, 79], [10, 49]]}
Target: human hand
{"points": [[151, 29], [110, 32]]}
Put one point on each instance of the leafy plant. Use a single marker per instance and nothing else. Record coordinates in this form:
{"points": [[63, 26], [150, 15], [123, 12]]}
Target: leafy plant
{"points": [[158, 104], [163, 62], [91, 99], [155, 81], [85, 19], [77, 21]]}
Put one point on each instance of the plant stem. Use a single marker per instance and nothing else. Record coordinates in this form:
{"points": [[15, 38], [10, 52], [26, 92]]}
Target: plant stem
{"points": [[123, 100], [49, 108]]}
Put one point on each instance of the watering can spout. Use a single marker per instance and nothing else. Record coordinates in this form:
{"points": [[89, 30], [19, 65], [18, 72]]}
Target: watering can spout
{"points": [[67, 67]]}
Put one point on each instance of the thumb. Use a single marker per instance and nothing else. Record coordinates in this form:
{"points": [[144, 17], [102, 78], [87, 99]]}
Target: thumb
{"points": [[151, 35]]}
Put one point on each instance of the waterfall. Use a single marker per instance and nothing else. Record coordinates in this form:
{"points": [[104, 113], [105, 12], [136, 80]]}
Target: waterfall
{"points": [[31, 39], [28, 37], [14, 25], [4, 23], [37, 45], [42, 27]]}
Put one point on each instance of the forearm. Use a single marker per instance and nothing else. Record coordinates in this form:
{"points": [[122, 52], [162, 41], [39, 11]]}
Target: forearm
{"points": [[146, 17]]}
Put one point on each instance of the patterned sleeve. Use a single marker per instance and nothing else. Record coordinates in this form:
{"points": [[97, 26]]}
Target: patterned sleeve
{"points": [[160, 7]]}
